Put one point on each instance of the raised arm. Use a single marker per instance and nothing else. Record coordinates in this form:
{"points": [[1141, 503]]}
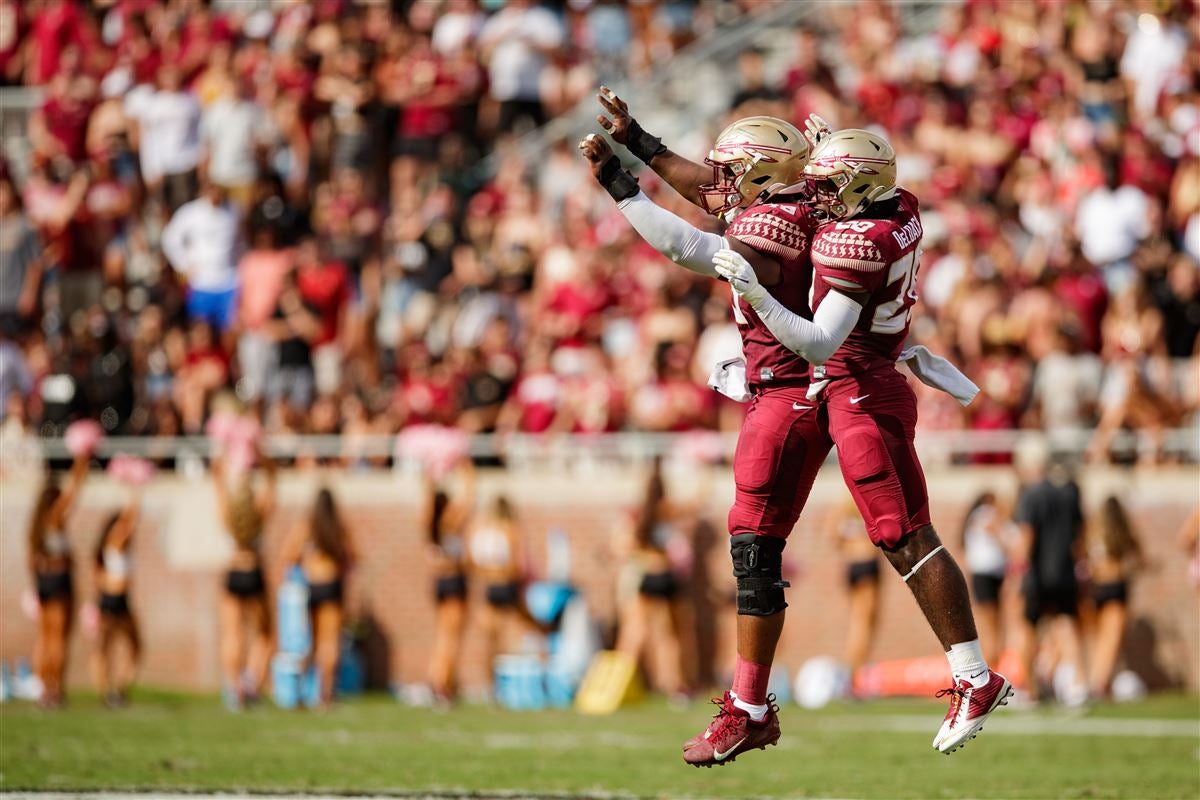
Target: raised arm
{"points": [[127, 522], [817, 340], [463, 506], [266, 495], [70, 491], [683, 175], [216, 468], [676, 238]]}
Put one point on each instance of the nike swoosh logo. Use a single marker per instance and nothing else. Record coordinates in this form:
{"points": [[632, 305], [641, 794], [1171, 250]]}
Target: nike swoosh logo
{"points": [[719, 756], [856, 400], [798, 407], [977, 674]]}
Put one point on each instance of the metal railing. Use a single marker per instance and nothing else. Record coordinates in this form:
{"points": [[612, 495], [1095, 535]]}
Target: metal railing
{"points": [[936, 447]]}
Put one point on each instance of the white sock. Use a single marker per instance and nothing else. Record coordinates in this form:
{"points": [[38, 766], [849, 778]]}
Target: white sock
{"points": [[967, 663], [756, 712]]}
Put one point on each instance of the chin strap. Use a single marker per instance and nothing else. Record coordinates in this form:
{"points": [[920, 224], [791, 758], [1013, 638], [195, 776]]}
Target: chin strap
{"points": [[921, 563]]}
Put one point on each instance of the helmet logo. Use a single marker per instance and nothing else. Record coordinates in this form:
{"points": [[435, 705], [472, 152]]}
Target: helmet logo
{"points": [[759, 151], [858, 163]]}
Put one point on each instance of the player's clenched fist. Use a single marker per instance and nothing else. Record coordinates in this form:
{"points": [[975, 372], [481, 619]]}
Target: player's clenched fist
{"points": [[596, 150], [733, 267], [607, 169]]}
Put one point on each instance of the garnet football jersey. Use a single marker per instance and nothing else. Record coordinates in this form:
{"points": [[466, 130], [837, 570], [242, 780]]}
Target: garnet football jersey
{"points": [[878, 256], [781, 231]]}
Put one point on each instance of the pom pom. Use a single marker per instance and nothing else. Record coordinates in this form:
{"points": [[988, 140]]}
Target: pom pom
{"points": [[131, 469], [436, 447], [82, 437]]}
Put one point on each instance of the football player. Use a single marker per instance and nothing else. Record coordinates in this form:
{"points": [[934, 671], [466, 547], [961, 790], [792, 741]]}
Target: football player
{"points": [[865, 258], [783, 440]]}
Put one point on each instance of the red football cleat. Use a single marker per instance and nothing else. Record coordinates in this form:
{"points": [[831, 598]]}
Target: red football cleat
{"points": [[731, 733], [969, 709]]}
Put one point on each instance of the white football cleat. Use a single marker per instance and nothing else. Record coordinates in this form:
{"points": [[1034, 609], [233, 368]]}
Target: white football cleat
{"points": [[969, 709]]}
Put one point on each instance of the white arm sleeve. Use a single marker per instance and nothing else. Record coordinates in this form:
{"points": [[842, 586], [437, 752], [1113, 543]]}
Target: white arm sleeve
{"points": [[815, 341], [675, 238]]}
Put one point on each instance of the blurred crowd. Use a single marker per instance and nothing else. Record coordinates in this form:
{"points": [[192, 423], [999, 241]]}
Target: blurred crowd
{"points": [[288, 201]]}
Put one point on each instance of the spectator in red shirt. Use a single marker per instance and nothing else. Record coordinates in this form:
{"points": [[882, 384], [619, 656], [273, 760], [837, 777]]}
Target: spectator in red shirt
{"points": [[1003, 378], [53, 197], [54, 26], [537, 398], [671, 401], [59, 128], [1080, 288], [414, 79], [325, 287], [104, 217], [205, 370], [426, 392], [202, 29]]}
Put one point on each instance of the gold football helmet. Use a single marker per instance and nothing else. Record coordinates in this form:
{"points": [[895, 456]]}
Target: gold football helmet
{"points": [[753, 158], [849, 170]]}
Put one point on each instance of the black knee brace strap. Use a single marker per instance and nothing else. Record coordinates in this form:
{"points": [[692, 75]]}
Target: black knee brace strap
{"points": [[758, 567]]}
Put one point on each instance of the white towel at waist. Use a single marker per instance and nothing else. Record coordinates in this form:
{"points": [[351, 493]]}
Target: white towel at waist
{"points": [[729, 378], [939, 373]]}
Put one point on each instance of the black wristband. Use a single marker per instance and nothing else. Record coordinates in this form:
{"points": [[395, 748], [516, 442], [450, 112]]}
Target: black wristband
{"points": [[643, 146], [616, 180]]}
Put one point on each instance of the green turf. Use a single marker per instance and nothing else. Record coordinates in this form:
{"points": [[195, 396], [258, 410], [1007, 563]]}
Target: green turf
{"points": [[854, 750]]}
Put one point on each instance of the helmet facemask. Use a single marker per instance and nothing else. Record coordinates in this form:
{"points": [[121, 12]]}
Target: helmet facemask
{"points": [[823, 194], [841, 180], [752, 158], [724, 193]]}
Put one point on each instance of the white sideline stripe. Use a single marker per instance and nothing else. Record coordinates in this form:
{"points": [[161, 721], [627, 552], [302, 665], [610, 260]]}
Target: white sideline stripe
{"points": [[1015, 724], [498, 794], [1005, 724]]}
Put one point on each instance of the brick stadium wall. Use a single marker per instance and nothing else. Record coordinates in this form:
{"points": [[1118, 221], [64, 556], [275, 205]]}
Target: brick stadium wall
{"points": [[180, 550]]}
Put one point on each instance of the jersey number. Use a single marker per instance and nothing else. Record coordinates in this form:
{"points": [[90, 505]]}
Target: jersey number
{"points": [[892, 316]]}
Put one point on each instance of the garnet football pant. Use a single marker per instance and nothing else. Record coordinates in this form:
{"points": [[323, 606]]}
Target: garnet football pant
{"points": [[873, 420], [785, 438], [784, 441]]}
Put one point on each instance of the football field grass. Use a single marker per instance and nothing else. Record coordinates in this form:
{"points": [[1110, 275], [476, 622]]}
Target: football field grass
{"points": [[163, 742]]}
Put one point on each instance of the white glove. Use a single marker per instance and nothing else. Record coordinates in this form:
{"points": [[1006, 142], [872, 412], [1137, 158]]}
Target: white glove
{"points": [[815, 340], [731, 266], [816, 129]]}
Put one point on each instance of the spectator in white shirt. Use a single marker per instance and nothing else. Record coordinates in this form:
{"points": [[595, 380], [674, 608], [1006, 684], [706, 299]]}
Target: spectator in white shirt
{"points": [[201, 242], [1066, 385], [1110, 222], [515, 43], [1154, 51], [234, 129], [457, 27], [167, 136]]}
